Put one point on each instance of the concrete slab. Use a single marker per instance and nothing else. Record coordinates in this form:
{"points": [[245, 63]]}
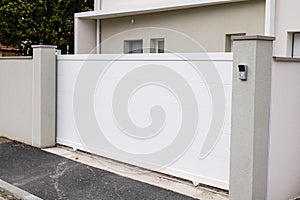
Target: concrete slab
{"points": [[49, 176]]}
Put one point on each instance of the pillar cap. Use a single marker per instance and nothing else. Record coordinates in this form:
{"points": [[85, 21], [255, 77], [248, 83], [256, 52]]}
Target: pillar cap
{"points": [[44, 46], [253, 37]]}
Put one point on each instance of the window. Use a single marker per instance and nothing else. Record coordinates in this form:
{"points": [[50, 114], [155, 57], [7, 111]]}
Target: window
{"points": [[228, 41], [296, 45], [133, 46], [157, 45]]}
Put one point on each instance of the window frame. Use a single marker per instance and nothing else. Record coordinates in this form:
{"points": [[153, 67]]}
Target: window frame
{"points": [[293, 44], [228, 40], [154, 45], [128, 46]]}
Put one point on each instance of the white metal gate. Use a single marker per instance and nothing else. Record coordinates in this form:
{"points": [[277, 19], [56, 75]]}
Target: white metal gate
{"points": [[167, 112]]}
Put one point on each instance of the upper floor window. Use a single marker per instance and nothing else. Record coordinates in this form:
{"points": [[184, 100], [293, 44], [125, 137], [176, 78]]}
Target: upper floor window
{"points": [[228, 40], [157, 45], [133, 46], [296, 45]]}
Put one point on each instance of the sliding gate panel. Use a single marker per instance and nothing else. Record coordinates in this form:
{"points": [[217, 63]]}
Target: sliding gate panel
{"points": [[168, 113]]}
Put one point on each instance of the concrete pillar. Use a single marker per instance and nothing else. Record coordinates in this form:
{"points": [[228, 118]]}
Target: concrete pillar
{"points": [[250, 118], [44, 96]]}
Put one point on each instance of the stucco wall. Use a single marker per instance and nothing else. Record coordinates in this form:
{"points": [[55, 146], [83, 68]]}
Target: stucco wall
{"points": [[28, 97], [284, 174], [85, 36], [16, 98], [287, 20], [207, 25]]}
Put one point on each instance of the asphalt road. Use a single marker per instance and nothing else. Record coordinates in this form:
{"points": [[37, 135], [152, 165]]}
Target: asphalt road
{"points": [[49, 176]]}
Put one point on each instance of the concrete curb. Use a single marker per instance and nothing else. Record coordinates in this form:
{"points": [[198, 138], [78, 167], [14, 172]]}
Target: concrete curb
{"points": [[17, 192]]}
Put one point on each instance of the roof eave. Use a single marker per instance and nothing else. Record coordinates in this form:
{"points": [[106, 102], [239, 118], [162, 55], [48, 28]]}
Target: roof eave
{"points": [[105, 14]]}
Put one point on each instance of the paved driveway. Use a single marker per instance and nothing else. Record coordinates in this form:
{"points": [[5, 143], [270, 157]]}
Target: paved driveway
{"points": [[49, 176]]}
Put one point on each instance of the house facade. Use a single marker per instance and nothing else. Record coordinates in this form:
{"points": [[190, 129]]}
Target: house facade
{"points": [[210, 23], [287, 29]]}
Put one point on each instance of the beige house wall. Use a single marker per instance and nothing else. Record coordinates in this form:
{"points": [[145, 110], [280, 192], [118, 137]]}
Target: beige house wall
{"points": [[286, 22], [85, 36], [16, 98], [206, 25]]}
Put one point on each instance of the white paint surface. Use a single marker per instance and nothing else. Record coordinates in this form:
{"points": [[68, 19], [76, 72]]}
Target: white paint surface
{"points": [[284, 159], [270, 17], [212, 170]]}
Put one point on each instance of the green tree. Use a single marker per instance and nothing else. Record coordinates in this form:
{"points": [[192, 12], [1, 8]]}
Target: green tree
{"points": [[27, 22]]}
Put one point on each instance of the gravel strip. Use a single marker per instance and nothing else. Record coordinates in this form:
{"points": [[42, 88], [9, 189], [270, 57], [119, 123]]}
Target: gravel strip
{"points": [[4, 195]]}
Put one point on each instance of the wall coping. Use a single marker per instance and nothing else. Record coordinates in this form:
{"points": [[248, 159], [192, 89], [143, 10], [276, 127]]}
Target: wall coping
{"points": [[15, 57], [44, 46], [105, 13], [149, 57], [286, 59], [253, 37]]}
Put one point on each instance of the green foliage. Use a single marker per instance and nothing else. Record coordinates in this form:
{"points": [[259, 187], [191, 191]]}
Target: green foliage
{"points": [[27, 22]]}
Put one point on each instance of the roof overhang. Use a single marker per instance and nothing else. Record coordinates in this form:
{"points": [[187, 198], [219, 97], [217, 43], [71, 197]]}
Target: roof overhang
{"points": [[105, 14]]}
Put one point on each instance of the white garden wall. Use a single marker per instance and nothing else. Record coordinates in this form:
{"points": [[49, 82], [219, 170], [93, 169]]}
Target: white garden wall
{"points": [[27, 97], [16, 98], [284, 173]]}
